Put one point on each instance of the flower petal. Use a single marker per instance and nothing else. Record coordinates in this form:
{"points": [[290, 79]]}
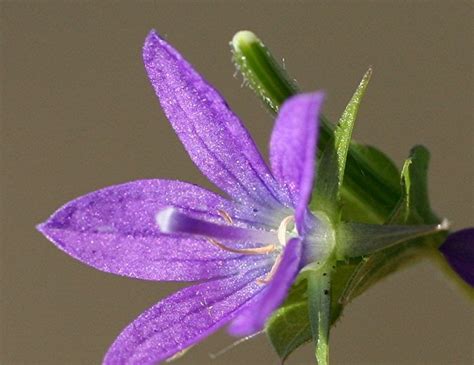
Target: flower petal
{"points": [[182, 319], [459, 251], [293, 147], [114, 230], [253, 318], [212, 134]]}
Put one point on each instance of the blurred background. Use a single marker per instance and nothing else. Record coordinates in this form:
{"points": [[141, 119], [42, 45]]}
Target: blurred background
{"points": [[78, 114]]}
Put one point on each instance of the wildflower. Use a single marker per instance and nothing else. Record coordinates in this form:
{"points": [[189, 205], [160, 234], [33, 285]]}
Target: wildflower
{"points": [[458, 249], [245, 250]]}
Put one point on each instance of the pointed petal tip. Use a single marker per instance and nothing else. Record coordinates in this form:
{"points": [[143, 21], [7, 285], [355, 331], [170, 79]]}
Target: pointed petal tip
{"points": [[41, 229], [152, 41], [47, 230], [152, 34]]}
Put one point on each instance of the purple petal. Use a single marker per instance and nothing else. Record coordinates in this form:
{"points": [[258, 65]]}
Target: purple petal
{"points": [[459, 251], [182, 319], [293, 148], [253, 318], [114, 230], [212, 134]]}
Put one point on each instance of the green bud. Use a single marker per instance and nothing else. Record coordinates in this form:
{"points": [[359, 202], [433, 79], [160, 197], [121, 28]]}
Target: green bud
{"points": [[263, 73]]}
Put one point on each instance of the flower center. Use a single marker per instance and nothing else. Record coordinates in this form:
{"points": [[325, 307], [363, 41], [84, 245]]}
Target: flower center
{"points": [[170, 220]]}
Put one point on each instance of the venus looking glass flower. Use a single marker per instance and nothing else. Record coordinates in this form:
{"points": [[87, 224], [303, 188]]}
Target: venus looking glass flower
{"points": [[245, 249]]}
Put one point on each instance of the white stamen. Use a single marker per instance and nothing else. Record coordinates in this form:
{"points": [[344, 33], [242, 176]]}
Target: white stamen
{"points": [[282, 229]]}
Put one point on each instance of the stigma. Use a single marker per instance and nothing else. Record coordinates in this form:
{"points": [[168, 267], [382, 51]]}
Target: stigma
{"points": [[170, 220]]}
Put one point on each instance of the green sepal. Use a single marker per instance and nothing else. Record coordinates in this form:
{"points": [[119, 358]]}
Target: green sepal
{"points": [[332, 165], [380, 165], [359, 239], [414, 205]]}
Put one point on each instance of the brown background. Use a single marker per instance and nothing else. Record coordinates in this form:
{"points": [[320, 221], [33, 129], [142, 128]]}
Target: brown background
{"points": [[78, 114]]}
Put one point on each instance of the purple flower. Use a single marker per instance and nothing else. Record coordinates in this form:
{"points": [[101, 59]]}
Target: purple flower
{"points": [[245, 249], [458, 249]]}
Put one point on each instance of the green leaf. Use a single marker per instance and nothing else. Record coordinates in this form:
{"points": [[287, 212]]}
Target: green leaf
{"points": [[288, 328], [319, 310], [332, 164], [414, 206]]}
